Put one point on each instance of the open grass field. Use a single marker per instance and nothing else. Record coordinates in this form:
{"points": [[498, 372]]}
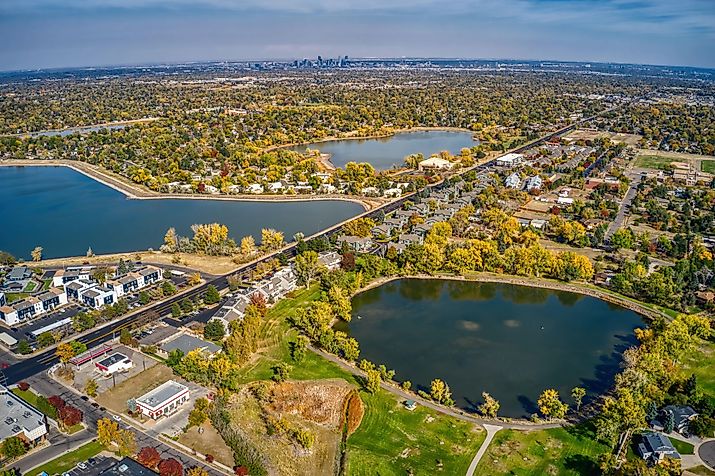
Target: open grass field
{"points": [[563, 451], [701, 362], [394, 441], [707, 166], [658, 162], [69, 460]]}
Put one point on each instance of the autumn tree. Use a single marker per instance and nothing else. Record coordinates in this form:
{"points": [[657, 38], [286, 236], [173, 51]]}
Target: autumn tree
{"points": [[306, 265], [550, 405], [170, 467], [36, 253], [372, 380], [577, 393], [359, 227], [340, 302], [149, 457], [440, 392], [490, 407], [170, 241], [271, 239], [248, 245]]}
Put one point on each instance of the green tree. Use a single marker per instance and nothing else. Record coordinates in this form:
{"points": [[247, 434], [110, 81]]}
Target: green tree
{"points": [[306, 265], [125, 337], [490, 407], [281, 372], [45, 339], [298, 348], [23, 347], [176, 311], [342, 307], [372, 381], [144, 298], [186, 305], [168, 288], [13, 447], [214, 330], [212, 296]]}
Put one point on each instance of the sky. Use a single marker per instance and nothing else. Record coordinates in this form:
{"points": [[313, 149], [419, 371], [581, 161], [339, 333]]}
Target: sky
{"points": [[69, 33]]}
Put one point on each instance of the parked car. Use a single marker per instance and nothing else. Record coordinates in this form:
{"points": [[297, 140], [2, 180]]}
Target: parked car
{"points": [[82, 465]]}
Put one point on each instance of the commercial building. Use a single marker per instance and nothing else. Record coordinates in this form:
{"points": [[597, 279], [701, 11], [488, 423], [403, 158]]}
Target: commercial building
{"points": [[114, 363], [20, 419], [510, 160], [163, 400]]}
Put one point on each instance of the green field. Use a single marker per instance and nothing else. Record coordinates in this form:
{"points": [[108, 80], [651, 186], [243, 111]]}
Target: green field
{"points": [[707, 166], [69, 460], [701, 362], [658, 162], [563, 451], [394, 441]]}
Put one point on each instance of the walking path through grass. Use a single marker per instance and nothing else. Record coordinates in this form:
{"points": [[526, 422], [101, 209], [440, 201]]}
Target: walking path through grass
{"points": [[491, 431]]}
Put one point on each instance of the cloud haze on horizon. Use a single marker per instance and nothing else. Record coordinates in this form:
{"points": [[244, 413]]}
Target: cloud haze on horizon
{"points": [[65, 33]]}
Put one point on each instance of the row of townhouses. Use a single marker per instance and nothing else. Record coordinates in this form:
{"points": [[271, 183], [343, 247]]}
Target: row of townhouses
{"points": [[95, 295], [272, 288], [32, 306]]}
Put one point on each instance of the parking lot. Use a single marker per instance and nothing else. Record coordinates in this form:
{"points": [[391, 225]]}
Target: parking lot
{"points": [[91, 467]]}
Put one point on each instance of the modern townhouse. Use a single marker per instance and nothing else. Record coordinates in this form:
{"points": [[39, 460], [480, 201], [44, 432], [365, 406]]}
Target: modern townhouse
{"points": [[63, 276], [32, 306], [98, 296], [356, 243]]}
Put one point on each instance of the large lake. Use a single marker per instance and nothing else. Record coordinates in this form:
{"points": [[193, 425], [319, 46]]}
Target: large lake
{"points": [[511, 341], [66, 212], [387, 152]]}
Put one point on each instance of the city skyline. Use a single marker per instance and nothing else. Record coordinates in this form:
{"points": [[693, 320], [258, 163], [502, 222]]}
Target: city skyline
{"points": [[74, 33]]}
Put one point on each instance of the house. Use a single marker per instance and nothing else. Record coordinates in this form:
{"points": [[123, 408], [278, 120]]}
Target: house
{"points": [[114, 363], [20, 419], [538, 224], [254, 188], [513, 181], [682, 416], [356, 243], [435, 163], [564, 201], [392, 192], [63, 277], [275, 187], [74, 288], [149, 275], [422, 229], [407, 239], [18, 273], [370, 191], [655, 447], [509, 160], [704, 297], [163, 400], [52, 298], [327, 188], [330, 259], [533, 183], [382, 230], [398, 247]]}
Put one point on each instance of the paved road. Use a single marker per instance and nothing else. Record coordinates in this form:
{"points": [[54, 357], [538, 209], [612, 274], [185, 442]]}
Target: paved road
{"points": [[707, 453], [491, 431], [60, 443], [623, 207]]}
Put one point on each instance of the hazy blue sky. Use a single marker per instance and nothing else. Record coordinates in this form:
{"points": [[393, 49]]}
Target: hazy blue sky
{"points": [[57, 33]]}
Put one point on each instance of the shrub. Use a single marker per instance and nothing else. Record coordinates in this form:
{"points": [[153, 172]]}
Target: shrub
{"points": [[24, 386]]}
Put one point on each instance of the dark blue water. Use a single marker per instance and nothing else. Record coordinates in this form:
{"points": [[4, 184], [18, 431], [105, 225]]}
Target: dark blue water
{"points": [[66, 212], [511, 341], [385, 153]]}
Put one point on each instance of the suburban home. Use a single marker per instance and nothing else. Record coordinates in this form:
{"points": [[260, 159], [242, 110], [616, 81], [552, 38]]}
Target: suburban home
{"points": [[682, 416], [655, 447], [63, 277], [533, 183], [254, 188], [74, 288], [186, 343], [407, 239], [163, 400], [330, 259], [513, 181], [382, 230], [32, 306], [356, 243], [398, 247], [20, 419]]}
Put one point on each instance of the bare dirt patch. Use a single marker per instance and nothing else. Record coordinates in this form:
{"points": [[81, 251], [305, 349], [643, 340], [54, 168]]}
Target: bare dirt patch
{"points": [[209, 442], [320, 402], [116, 398]]}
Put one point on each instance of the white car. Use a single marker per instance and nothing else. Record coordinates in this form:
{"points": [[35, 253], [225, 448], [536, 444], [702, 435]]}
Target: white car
{"points": [[117, 417], [82, 465]]}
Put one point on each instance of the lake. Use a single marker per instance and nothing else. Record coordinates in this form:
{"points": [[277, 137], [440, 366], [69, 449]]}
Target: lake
{"points": [[511, 341], [391, 151], [66, 212]]}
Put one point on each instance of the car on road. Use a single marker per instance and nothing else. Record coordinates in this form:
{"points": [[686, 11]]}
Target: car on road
{"points": [[84, 397], [95, 404], [102, 409], [117, 417]]}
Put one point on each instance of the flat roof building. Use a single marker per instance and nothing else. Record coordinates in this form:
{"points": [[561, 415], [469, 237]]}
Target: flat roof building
{"points": [[20, 419], [163, 400], [114, 363]]}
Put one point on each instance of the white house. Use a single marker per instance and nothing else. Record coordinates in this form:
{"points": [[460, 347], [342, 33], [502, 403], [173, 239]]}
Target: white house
{"points": [[564, 201], [435, 163], [33, 306], [533, 183], [513, 181], [163, 400], [97, 297], [254, 188]]}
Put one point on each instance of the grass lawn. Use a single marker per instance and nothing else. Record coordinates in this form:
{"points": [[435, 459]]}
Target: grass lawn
{"points": [[69, 460], [707, 166], [702, 471], [31, 397], [30, 287], [12, 297], [683, 447], [654, 161], [701, 362], [75, 428], [46, 284], [564, 451], [394, 441]]}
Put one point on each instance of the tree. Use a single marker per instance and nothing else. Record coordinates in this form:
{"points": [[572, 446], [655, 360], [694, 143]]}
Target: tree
{"points": [[490, 407], [13, 447], [23, 347], [281, 371], [36, 253], [168, 288], [144, 298], [45, 339], [65, 352], [126, 338], [214, 330], [622, 238], [107, 431], [372, 380], [669, 423], [149, 457], [90, 388], [212, 296], [176, 310], [550, 404], [196, 471], [70, 416], [271, 239], [186, 305], [298, 348], [170, 467], [577, 393], [194, 279], [306, 265], [342, 307], [248, 245], [440, 392], [359, 227], [171, 241], [90, 253]]}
